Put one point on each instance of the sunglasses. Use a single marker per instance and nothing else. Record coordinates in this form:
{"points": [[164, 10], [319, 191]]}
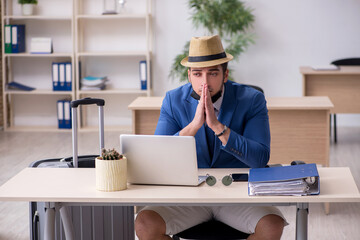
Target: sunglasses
{"points": [[211, 180]]}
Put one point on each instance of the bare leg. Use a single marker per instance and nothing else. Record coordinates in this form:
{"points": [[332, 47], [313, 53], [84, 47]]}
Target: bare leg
{"points": [[270, 227], [149, 225]]}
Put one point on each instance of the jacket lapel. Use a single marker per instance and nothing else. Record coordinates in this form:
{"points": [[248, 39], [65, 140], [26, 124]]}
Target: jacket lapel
{"points": [[226, 113], [190, 108]]}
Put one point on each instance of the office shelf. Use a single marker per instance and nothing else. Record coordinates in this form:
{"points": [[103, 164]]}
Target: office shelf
{"points": [[37, 129], [113, 91], [38, 92], [115, 53], [26, 110], [60, 18], [112, 45], [95, 44], [112, 17], [50, 55]]}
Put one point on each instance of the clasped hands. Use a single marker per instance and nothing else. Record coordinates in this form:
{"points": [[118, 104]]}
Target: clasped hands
{"points": [[205, 113]]}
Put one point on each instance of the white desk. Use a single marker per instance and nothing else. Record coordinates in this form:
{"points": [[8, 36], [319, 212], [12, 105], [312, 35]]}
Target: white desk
{"points": [[73, 186]]}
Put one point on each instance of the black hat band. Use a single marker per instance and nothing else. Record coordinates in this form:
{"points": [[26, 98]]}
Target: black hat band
{"points": [[207, 58]]}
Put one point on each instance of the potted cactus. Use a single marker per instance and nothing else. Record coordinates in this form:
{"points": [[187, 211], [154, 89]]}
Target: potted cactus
{"points": [[111, 171], [27, 6]]}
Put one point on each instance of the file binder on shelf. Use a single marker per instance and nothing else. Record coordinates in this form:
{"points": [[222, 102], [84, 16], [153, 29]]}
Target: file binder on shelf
{"points": [[143, 74], [64, 114], [17, 38], [293, 180], [68, 77], [62, 76], [60, 113], [7, 38], [67, 114], [55, 77]]}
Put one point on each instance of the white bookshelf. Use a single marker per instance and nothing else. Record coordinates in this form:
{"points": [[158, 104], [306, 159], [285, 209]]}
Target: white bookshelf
{"points": [[38, 92], [115, 53], [36, 110], [27, 128], [119, 42], [52, 55], [117, 16], [95, 44], [14, 17]]}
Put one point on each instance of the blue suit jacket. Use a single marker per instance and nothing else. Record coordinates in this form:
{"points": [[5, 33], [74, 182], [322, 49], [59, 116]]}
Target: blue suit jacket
{"points": [[243, 110]]}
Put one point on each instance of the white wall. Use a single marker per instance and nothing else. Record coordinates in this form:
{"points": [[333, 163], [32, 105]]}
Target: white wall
{"points": [[289, 34]]}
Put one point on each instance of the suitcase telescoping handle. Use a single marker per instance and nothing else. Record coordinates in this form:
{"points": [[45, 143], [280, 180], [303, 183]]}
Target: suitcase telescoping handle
{"points": [[74, 105]]}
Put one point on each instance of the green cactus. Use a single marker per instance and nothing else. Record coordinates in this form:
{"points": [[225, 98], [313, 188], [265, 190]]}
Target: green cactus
{"points": [[110, 154]]}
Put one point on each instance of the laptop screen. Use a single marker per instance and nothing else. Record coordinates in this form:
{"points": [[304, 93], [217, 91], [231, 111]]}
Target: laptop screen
{"points": [[156, 159]]}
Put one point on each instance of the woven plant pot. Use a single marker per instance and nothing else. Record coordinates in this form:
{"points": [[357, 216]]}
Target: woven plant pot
{"points": [[111, 175]]}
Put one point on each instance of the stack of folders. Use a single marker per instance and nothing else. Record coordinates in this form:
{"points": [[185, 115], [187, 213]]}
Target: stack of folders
{"points": [[14, 38], [62, 76], [64, 113], [294, 180], [93, 83]]}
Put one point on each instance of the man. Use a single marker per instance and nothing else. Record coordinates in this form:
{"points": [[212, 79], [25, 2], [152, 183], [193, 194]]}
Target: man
{"points": [[231, 128]]}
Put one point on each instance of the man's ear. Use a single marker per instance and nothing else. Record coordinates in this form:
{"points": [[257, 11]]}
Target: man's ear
{"points": [[226, 75]]}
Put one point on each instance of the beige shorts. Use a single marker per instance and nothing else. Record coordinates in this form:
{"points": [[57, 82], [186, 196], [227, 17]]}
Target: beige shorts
{"points": [[243, 218]]}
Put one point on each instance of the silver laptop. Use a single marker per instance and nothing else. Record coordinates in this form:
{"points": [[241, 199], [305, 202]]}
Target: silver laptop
{"points": [[162, 160]]}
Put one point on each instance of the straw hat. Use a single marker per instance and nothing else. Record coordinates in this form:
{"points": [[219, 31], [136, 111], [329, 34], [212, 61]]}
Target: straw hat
{"points": [[206, 51]]}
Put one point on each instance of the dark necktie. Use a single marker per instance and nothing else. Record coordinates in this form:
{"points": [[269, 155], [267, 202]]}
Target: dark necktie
{"points": [[210, 137]]}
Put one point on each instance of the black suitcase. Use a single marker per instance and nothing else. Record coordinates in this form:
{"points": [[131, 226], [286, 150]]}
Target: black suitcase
{"points": [[89, 222]]}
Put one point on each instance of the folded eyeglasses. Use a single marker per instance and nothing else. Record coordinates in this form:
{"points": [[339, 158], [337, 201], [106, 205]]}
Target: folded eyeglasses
{"points": [[226, 180]]}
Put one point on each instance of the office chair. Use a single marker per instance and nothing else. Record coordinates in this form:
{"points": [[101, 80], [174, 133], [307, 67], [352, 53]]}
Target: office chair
{"points": [[343, 62], [256, 87], [347, 62], [213, 229]]}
